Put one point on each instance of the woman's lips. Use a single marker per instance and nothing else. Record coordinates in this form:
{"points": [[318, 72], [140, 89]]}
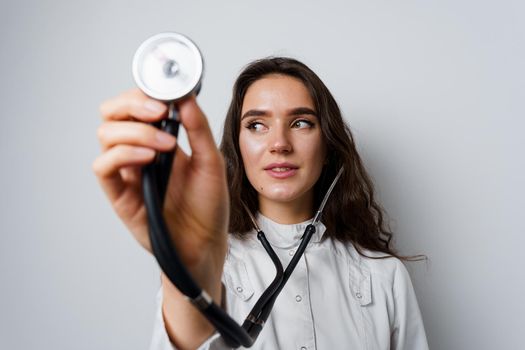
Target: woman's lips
{"points": [[281, 171]]}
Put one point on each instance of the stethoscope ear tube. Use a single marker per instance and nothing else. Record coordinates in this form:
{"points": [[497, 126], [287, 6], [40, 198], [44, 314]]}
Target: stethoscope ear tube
{"points": [[161, 244]]}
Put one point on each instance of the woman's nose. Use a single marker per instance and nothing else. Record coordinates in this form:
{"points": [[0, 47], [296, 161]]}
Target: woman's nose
{"points": [[280, 140]]}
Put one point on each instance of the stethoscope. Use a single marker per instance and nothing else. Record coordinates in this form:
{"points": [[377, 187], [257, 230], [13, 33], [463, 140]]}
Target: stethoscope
{"points": [[169, 67]]}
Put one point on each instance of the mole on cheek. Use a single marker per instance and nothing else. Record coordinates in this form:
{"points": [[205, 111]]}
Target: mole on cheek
{"points": [[261, 188]]}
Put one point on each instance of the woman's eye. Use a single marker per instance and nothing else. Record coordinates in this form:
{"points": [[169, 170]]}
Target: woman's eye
{"points": [[303, 123], [255, 126]]}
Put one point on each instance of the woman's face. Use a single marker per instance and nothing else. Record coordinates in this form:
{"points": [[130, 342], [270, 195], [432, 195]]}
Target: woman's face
{"points": [[281, 141]]}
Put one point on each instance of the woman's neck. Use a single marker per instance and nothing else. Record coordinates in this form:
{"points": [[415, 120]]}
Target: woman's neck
{"points": [[286, 212]]}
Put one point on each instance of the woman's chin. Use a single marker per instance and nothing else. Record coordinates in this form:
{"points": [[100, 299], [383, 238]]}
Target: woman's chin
{"points": [[280, 195]]}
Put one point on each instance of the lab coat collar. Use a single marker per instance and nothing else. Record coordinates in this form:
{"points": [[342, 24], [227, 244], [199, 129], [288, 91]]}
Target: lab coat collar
{"points": [[288, 235]]}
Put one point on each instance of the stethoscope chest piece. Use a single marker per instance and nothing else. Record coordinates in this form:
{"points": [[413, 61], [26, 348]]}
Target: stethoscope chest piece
{"points": [[168, 66]]}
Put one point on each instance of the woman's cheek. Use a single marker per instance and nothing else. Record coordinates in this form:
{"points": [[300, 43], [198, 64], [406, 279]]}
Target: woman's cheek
{"points": [[252, 151]]}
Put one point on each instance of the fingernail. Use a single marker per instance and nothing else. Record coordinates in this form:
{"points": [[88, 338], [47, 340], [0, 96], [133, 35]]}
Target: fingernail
{"points": [[165, 139], [155, 106]]}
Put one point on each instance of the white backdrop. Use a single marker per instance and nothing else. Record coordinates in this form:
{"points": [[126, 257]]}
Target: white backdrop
{"points": [[433, 91]]}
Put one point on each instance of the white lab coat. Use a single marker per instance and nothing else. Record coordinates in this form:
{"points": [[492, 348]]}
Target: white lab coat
{"points": [[335, 298]]}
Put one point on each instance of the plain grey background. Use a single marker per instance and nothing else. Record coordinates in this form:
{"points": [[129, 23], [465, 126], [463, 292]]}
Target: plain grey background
{"points": [[433, 91]]}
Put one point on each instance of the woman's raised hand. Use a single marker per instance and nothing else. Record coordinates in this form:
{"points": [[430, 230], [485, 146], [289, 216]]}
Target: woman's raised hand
{"points": [[196, 207]]}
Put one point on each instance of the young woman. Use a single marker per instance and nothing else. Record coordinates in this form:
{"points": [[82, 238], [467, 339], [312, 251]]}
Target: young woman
{"points": [[284, 142]]}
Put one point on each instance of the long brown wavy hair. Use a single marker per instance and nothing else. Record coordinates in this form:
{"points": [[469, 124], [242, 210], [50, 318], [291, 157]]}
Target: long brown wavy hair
{"points": [[351, 213]]}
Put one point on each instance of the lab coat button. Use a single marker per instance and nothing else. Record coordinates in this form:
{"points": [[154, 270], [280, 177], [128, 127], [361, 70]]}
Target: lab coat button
{"points": [[239, 289], [291, 252], [298, 299], [303, 347], [358, 295]]}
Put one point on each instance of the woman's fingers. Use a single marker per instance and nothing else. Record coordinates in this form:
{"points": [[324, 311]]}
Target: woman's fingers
{"points": [[132, 133], [107, 166], [132, 104], [129, 144]]}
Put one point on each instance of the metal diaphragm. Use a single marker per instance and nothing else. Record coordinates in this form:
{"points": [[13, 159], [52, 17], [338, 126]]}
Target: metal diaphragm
{"points": [[168, 66]]}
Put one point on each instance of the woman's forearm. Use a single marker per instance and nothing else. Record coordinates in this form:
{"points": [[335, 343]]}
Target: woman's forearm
{"points": [[187, 328]]}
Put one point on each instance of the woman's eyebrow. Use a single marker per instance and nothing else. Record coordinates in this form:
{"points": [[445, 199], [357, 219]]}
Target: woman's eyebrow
{"points": [[253, 113], [302, 111], [294, 111]]}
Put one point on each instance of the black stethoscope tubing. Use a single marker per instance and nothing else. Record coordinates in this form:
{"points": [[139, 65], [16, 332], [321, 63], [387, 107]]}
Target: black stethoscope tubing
{"points": [[155, 178]]}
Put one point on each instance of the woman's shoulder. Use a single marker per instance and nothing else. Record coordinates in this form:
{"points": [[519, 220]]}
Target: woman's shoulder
{"points": [[378, 264]]}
